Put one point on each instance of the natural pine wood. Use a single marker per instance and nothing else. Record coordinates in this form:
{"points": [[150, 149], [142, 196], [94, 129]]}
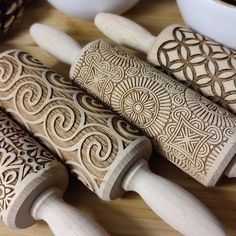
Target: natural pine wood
{"points": [[128, 216]]}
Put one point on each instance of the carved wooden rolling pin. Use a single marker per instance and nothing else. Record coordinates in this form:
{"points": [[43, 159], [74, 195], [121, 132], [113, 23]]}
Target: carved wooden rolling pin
{"points": [[189, 130], [206, 66], [102, 150], [32, 185]]}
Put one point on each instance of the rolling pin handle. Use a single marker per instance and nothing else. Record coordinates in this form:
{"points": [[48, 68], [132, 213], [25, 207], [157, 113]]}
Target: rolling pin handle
{"points": [[55, 42], [124, 31], [174, 205], [62, 218]]}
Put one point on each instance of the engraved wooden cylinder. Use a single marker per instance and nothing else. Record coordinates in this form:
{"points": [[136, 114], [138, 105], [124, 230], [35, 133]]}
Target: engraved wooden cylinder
{"points": [[189, 130], [26, 170], [97, 145], [206, 66]]}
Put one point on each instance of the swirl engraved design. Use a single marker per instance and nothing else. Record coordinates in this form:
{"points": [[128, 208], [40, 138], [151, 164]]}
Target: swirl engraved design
{"points": [[88, 138], [21, 159], [204, 65], [185, 127]]}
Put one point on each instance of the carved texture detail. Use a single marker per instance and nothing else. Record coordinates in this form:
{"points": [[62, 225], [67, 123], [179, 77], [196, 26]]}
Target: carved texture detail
{"points": [[188, 129], [204, 65], [89, 138], [21, 158]]}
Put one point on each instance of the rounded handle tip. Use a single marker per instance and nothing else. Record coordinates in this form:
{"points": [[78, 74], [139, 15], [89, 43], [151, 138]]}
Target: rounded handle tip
{"points": [[55, 42], [124, 31], [173, 204]]}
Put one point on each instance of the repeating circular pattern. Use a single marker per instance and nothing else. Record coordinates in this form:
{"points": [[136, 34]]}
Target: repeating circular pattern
{"points": [[201, 63]]}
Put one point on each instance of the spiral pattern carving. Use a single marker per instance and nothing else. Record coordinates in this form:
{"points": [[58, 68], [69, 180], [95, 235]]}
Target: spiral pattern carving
{"points": [[185, 127], [89, 138]]}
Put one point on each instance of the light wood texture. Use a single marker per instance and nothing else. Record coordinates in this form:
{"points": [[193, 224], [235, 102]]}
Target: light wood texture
{"points": [[170, 202], [97, 146], [192, 132], [128, 216], [165, 110], [62, 218], [25, 166], [32, 186], [125, 31], [197, 61], [94, 143]]}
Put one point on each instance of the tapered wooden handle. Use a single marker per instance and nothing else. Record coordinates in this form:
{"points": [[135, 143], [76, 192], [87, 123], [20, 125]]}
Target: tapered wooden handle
{"points": [[120, 29], [124, 31], [173, 204], [62, 218], [64, 47]]}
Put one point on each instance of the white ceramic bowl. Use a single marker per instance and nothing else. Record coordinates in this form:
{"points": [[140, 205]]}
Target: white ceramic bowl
{"points": [[89, 8], [213, 18]]}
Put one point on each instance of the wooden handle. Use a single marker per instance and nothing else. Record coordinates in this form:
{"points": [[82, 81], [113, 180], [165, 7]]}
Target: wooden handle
{"points": [[62, 218], [96, 145], [124, 31], [173, 204], [27, 169], [189, 130], [65, 52]]}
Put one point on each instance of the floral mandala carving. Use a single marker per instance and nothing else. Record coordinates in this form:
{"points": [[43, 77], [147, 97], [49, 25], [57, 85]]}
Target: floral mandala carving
{"points": [[186, 128], [139, 106]]}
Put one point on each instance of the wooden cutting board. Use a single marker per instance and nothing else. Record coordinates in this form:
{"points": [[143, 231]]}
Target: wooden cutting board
{"points": [[128, 216]]}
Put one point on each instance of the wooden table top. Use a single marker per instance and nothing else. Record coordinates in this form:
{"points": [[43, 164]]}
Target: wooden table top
{"points": [[129, 215]]}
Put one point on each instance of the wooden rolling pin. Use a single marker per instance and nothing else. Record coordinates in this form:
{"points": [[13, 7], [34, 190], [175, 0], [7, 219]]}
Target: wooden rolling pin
{"points": [[189, 130], [32, 185], [102, 150], [204, 65]]}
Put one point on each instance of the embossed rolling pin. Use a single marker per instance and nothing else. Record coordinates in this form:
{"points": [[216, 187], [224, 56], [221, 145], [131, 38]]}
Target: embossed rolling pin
{"points": [[32, 185], [189, 130], [102, 150], [204, 65]]}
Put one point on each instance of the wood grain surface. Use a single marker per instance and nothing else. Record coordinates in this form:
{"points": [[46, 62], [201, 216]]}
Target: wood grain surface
{"points": [[129, 215]]}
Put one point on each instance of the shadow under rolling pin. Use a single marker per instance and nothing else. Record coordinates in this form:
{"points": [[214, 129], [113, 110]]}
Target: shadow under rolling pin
{"points": [[102, 150], [191, 131], [199, 62], [32, 185]]}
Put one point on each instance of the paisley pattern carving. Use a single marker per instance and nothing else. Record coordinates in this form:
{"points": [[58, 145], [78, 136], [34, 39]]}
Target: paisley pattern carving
{"points": [[199, 62], [89, 138], [185, 127], [21, 158]]}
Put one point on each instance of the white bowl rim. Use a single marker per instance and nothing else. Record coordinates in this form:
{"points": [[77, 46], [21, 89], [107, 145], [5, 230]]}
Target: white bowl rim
{"points": [[221, 3]]}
